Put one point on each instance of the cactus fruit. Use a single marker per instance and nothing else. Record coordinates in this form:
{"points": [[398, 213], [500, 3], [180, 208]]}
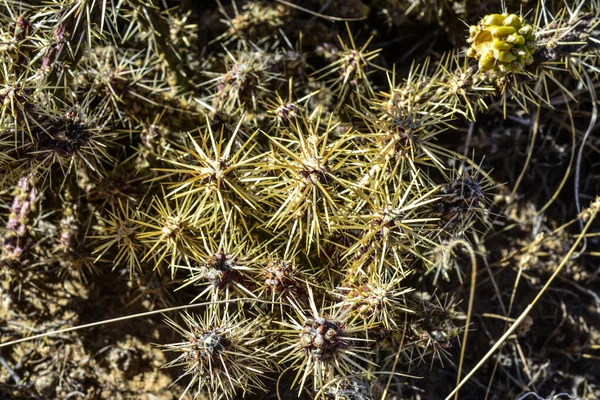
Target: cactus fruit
{"points": [[502, 43]]}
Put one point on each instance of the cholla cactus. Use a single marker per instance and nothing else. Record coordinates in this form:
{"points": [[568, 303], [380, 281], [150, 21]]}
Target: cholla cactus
{"points": [[378, 301], [119, 229], [315, 177], [227, 265], [322, 347], [169, 232], [222, 355], [307, 179], [255, 20], [220, 175]]}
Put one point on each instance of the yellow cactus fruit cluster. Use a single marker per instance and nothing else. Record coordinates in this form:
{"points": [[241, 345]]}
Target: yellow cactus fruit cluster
{"points": [[502, 43]]}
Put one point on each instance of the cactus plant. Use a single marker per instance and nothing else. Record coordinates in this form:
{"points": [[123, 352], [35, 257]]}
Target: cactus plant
{"points": [[338, 195]]}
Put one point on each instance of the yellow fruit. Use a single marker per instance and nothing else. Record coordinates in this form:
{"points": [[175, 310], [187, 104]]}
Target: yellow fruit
{"points": [[502, 43]]}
